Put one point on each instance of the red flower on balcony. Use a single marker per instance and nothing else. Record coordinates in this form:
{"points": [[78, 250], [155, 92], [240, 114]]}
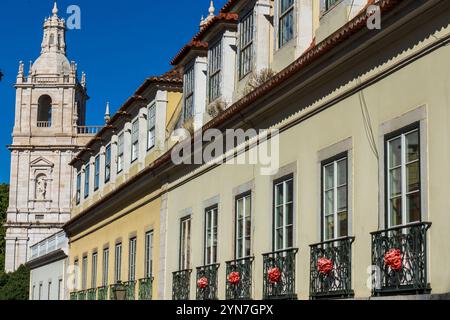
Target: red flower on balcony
{"points": [[325, 266], [234, 278], [393, 259], [203, 283], [274, 275]]}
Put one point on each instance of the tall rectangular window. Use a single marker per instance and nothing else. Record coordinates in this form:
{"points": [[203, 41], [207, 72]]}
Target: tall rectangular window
{"points": [[211, 236], [84, 273], [49, 291], [246, 36], [97, 173], [151, 135], [215, 71], [105, 267], [78, 194], [403, 177], [285, 22], [135, 140], [243, 226], [94, 270], [87, 175], [334, 197], [148, 254], [189, 93], [33, 293], [284, 213], [120, 152], [185, 243], [108, 163], [118, 263], [60, 290], [40, 291], [132, 260], [76, 278]]}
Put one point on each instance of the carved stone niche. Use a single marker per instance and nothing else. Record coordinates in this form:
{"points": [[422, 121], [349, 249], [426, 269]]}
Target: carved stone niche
{"points": [[41, 184]]}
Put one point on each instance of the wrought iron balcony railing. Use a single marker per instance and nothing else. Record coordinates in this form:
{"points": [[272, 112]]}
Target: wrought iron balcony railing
{"points": [[207, 282], [399, 256], [181, 283], [331, 269], [130, 289], [279, 274], [145, 288], [82, 295], [73, 296], [102, 293], [239, 279], [92, 294]]}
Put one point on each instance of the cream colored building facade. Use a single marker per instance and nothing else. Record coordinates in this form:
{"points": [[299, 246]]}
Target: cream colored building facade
{"points": [[356, 207]]}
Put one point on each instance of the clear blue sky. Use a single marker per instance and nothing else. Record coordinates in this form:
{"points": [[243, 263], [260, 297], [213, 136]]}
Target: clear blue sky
{"points": [[120, 44]]}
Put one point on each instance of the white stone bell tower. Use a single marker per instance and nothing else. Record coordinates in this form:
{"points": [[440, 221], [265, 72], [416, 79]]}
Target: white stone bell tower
{"points": [[49, 130]]}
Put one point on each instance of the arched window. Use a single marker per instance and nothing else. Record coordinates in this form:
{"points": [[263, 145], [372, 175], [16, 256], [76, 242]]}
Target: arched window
{"points": [[44, 117]]}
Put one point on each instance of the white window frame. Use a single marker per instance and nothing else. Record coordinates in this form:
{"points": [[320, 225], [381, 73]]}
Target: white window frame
{"points": [[402, 133], [97, 173], [189, 88], [78, 192], [284, 226], [281, 17], [185, 243], [334, 163], [215, 61], [148, 267], [87, 176], [120, 152], [118, 263], [132, 259], [134, 140], [151, 122], [94, 270], [246, 218], [105, 267], [108, 163], [246, 40], [84, 273], [211, 232]]}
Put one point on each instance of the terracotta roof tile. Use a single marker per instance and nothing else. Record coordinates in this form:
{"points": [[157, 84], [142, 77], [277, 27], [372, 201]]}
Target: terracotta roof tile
{"points": [[194, 44], [228, 6]]}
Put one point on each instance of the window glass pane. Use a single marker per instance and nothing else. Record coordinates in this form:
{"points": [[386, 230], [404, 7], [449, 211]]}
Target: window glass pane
{"points": [[290, 237], [279, 239], [289, 213], [396, 211], [413, 177], [279, 216], [285, 4], [342, 198], [290, 191], [329, 202], [329, 176], [342, 172], [395, 153], [279, 194], [248, 203], [395, 182], [413, 207], [343, 224], [329, 227], [412, 146], [240, 228]]}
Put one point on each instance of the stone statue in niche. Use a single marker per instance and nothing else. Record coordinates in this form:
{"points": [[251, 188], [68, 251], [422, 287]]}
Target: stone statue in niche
{"points": [[41, 188]]}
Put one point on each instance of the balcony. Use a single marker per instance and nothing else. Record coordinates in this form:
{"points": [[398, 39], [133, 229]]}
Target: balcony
{"points": [[239, 279], [92, 294], [50, 244], [207, 282], [102, 293], [81, 295], [130, 289], [181, 284], [89, 130], [73, 296], [279, 275], [112, 290], [331, 269], [400, 258], [145, 289], [44, 124]]}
